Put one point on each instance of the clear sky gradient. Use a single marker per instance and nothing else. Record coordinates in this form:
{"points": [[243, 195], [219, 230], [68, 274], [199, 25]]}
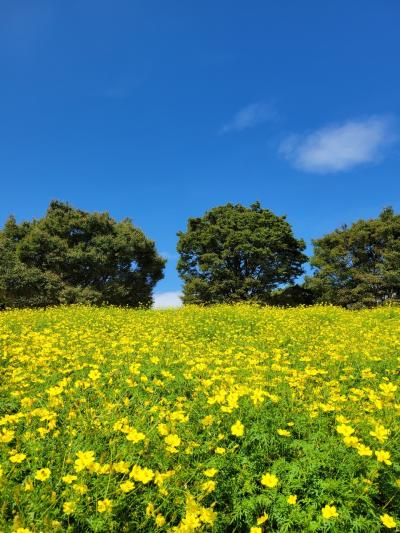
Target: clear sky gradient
{"points": [[161, 110]]}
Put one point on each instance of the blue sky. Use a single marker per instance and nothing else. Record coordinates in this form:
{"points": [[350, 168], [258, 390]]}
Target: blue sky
{"points": [[161, 110]]}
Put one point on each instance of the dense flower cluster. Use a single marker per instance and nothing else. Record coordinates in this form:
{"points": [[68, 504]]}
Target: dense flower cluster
{"points": [[229, 418]]}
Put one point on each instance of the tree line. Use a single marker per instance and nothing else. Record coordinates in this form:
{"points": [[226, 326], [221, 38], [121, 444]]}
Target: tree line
{"points": [[231, 254]]}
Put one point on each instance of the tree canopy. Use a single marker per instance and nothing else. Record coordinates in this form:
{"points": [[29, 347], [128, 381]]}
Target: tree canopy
{"points": [[71, 256], [234, 253], [359, 265]]}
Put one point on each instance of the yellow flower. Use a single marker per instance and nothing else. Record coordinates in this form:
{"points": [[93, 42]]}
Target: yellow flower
{"points": [[208, 486], [104, 506], [220, 451], [207, 421], [17, 457], [85, 460], [69, 507], [162, 429], [364, 450], [292, 500], [68, 479], [135, 436], [172, 440], [28, 486], [149, 509], [207, 515], [283, 432], [380, 433], [388, 521], [80, 488], [351, 441], [127, 486], [263, 518], [269, 480], [383, 457], [22, 530], [122, 467], [160, 520], [344, 430], [43, 474], [7, 435], [237, 429], [210, 472], [329, 511], [144, 475], [255, 529]]}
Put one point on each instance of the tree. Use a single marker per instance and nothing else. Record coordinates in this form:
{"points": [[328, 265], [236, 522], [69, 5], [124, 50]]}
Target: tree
{"points": [[358, 266], [72, 256], [234, 253]]}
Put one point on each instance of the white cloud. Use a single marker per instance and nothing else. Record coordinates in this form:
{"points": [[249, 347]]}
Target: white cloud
{"points": [[340, 147], [250, 116], [167, 299]]}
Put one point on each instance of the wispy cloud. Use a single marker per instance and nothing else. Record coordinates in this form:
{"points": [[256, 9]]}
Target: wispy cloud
{"points": [[167, 299], [250, 116], [340, 147]]}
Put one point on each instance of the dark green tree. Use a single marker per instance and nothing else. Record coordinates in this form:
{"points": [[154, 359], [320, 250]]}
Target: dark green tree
{"points": [[358, 266], [71, 256], [234, 253]]}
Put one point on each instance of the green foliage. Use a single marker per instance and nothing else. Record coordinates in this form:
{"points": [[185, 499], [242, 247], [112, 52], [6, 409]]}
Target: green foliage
{"points": [[71, 256], [234, 253], [359, 266]]}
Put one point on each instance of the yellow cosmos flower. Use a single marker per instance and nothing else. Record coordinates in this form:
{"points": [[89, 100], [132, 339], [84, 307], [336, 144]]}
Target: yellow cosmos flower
{"points": [[283, 432], [345, 430], [104, 506], [207, 515], [207, 421], [135, 436], [208, 486], [388, 521], [220, 451], [85, 460], [28, 486], [383, 457], [172, 440], [7, 435], [329, 511], [380, 433], [17, 457], [210, 472], [127, 486], [69, 478], [43, 474], [364, 450], [237, 429], [255, 529], [122, 467], [160, 520], [69, 507], [149, 509], [263, 518], [292, 500], [269, 480], [80, 488], [144, 475]]}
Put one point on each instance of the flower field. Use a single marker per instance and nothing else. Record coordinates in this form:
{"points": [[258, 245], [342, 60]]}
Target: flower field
{"points": [[229, 418]]}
